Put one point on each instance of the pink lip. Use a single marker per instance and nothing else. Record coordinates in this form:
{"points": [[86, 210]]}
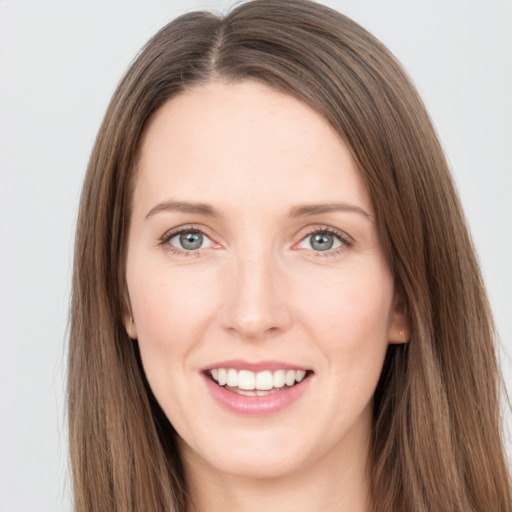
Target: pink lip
{"points": [[239, 364], [255, 405]]}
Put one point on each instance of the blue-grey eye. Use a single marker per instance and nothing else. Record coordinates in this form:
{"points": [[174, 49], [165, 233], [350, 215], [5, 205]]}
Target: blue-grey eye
{"points": [[321, 241], [190, 241]]}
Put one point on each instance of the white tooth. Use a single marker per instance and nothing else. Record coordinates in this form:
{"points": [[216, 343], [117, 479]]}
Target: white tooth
{"points": [[261, 392], [246, 393], [246, 379], [264, 380], [279, 379], [232, 378], [300, 375], [215, 374], [222, 376], [290, 377]]}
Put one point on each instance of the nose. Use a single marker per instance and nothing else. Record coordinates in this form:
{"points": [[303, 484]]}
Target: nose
{"points": [[256, 305]]}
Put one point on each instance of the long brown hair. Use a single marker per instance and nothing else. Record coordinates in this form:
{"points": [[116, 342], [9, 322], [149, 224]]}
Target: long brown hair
{"points": [[436, 442]]}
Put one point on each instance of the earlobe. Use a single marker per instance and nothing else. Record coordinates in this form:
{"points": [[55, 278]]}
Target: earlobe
{"points": [[131, 328], [397, 336], [129, 322], [399, 325]]}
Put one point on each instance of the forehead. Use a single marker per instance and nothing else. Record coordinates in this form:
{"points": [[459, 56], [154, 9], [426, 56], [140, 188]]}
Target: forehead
{"points": [[245, 141]]}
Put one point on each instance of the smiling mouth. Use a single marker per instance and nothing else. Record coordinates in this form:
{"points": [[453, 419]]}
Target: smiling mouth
{"points": [[248, 383]]}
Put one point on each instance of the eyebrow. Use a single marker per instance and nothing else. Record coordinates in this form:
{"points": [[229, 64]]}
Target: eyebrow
{"points": [[315, 209], [183, 206], [294, 212]]}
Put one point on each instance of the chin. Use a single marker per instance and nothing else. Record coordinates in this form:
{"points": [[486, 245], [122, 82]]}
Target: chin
{"points": [[246, 458]]}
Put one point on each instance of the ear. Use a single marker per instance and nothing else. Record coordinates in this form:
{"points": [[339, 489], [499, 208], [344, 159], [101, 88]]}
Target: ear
{"points": [[129, 322], [399, 324]]}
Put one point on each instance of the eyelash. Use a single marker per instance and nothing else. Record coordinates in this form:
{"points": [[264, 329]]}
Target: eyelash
{"points": [[164, 241], [346, 241]]}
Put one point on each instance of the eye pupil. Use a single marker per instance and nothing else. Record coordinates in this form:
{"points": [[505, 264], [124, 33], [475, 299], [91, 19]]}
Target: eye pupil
{"points": [[322, 241], [191, 240]]}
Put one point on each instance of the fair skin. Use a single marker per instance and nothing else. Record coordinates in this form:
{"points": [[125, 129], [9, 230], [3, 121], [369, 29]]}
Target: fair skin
{"points": [[253, 243]]}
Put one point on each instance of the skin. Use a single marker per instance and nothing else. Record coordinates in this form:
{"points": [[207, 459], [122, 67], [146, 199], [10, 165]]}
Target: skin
{"points": [[258, 290]]}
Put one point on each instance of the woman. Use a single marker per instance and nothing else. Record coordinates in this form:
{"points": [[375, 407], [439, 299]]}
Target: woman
{"points": [[276, 300]]}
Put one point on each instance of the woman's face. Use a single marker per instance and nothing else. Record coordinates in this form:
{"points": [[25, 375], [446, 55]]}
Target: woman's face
{"points": [[260, 294]]}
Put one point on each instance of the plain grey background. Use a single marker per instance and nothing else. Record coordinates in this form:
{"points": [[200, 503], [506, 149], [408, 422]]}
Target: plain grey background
{"points": [[59, 64]]}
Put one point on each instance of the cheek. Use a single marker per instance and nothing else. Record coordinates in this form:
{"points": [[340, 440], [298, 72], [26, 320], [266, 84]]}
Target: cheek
{"points": [[349, 317], [171, 308], [171, 314], [351, 303], [349, 322]]}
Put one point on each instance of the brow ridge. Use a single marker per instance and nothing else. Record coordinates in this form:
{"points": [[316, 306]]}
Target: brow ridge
{"points": [[316, 209], [294, 212], [183, 206]]}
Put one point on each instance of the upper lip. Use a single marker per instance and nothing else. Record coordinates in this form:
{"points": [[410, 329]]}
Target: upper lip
{"points": [[239, 364]]}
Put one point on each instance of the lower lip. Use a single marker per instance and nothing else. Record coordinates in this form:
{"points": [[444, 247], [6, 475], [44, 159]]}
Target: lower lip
{"points": [[256, 405]]}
